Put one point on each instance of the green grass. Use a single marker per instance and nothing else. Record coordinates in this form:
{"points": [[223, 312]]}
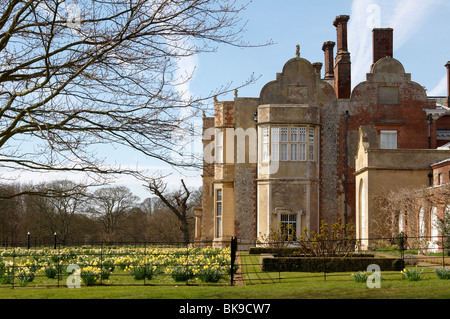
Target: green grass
{"points": [[336, 287], [257, 285]]}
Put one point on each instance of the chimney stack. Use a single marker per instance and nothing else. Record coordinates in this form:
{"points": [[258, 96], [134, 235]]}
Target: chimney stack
{"points": [[341, 26], [317, 67], [383, 43], [447, 65], [342, 68], [329, 59]]}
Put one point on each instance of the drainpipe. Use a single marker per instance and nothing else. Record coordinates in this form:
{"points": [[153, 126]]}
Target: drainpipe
{"points": [[429, 121], [346, 117]]}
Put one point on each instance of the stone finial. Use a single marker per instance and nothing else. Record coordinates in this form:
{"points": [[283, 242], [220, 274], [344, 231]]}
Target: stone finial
{"points": [[203, 114], [235, 92], [215, 99], [297, 51]]}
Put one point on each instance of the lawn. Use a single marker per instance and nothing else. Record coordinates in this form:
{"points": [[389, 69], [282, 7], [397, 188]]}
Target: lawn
{"points": [[251, 284], [282, 286]]}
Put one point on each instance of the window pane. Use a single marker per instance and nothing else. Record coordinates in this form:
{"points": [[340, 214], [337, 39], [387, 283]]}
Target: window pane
{"points": [[219, 209], [265, 144], [218, 227], [289, 225], [265, 133], [311, 152], [302, 131], [283, 152], [219, 147], [293, 152], [275, 151], [265, 152], [275, 134], [311, 134], [302, 149], [294, 134], [219, 195], [388, 139], [283, 134]]}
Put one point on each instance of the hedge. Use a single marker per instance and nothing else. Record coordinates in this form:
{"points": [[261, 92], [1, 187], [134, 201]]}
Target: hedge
{"points": [[329, 264], [294, 252]]}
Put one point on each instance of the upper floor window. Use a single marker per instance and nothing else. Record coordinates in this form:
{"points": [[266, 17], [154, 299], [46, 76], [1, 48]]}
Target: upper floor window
{"points": [[388, 139], [265, 144], [219, 147], [291, 143]]}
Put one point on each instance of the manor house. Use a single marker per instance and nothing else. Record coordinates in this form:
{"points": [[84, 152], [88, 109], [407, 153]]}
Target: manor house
{"points": [[310, 148]]}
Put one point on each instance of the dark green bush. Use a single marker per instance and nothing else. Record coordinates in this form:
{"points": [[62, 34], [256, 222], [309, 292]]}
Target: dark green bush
{"points": [[329, 264]]}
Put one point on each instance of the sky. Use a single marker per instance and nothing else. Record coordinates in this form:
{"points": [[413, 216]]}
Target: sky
{"points": [[421, 33]]}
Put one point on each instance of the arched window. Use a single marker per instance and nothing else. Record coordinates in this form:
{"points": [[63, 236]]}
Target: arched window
{"points": [[422, 222]]}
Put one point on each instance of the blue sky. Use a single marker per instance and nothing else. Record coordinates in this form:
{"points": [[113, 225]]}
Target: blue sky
{"points": [[421, 33]]}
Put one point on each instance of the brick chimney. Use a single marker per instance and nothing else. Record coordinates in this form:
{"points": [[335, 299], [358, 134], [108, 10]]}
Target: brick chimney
{"points": [[329, 59], [447, 65], [341, 27], [383, 43], [342, 68], [317, 67]]}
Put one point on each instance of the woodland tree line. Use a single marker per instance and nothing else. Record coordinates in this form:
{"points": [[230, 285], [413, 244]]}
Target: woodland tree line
{"points": [[78, 215]]}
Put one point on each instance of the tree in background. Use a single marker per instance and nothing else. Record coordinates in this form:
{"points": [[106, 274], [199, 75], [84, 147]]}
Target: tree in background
{"points": [[110, 205], [178, 202], [54, 209]]}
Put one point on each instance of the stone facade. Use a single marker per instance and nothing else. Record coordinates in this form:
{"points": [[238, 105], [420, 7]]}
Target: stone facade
{"points": [[297, 154]]}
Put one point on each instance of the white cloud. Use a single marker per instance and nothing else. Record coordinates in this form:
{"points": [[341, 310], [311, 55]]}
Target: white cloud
{"points": [[405, 17], [440, 89]]}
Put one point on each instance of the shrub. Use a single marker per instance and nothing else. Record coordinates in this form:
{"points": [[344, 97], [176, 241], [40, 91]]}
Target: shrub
{"points": [[6, 275], [142, 272], [181, 273], [90, 275], [442, 273], [413, 274], [210, 273], [329, 264], [50, 272], [24, 276], [360, 276]]}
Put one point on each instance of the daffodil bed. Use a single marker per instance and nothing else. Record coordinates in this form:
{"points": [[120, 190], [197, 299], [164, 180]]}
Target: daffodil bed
{"points": [[119, 266]]}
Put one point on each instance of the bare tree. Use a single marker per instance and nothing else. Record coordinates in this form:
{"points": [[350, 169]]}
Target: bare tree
{"points": [[98, 73], [109, 205], [409, 207], [11, 212], [55, 212], [178, 202]]}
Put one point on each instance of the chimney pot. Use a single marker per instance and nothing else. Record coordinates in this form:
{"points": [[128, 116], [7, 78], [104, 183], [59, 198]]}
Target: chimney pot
{"points": [[317, 67], [341, 27], [342, 68], [329, 59], [383, 43]]}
